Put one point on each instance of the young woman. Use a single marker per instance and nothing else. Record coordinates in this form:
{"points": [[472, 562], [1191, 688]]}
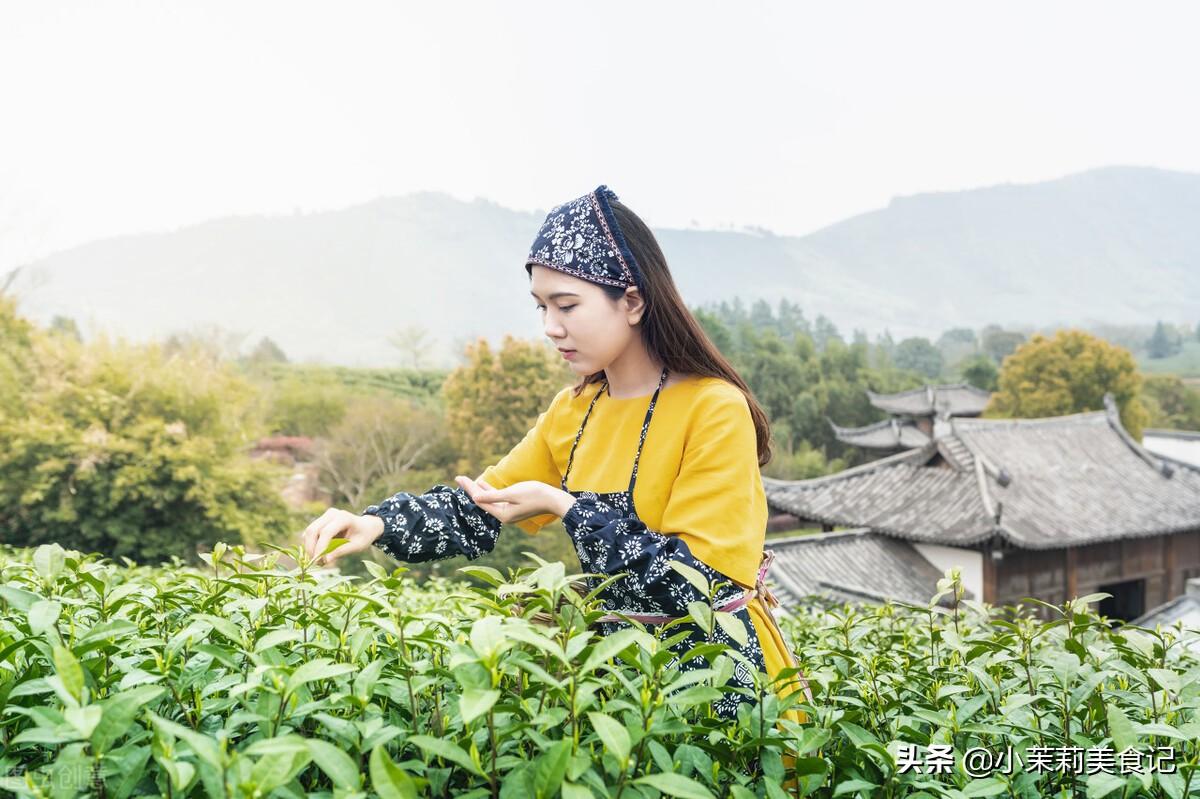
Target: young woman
{"points": [[652, 457]]}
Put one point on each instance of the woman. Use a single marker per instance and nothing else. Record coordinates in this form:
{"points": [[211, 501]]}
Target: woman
{"points": [[655, 396]]}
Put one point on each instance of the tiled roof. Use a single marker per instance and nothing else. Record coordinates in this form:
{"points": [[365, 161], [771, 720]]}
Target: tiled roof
{"points": [[1033, 483], [890, 434], [951, 399], [851, 566], [1185, 609]]}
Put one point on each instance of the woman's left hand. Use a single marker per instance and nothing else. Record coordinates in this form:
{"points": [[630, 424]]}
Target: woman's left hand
{"points": [[518, 501]]}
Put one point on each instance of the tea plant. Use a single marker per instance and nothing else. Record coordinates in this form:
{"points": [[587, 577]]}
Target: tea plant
{"points": [[250, 679]]}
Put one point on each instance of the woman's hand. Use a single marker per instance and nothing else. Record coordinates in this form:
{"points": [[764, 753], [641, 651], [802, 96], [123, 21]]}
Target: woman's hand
{"points": [[518, 501], [359, 531]]}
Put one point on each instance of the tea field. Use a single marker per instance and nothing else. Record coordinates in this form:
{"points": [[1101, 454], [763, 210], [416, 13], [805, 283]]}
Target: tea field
{"points": [[251, 679]]}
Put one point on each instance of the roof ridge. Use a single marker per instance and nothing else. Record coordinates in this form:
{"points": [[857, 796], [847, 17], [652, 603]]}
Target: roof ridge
{"points": [[985, 422], [810, 538], [984, 467], [861, 469], [873, 426], [1113, 414], [1164, 432]]}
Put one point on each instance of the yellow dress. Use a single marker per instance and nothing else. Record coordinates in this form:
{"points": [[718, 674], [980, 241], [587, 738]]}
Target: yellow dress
{"points": [[698, 477]]}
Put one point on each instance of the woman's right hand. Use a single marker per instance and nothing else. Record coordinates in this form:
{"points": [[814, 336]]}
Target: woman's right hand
{"points": [[359, 531]]}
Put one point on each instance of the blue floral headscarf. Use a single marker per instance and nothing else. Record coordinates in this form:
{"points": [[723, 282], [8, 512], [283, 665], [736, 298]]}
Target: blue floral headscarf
{"points": [[582, 239]]}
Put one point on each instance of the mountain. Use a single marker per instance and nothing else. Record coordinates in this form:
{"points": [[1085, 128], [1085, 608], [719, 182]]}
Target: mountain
{"points": [[1117, 244]]}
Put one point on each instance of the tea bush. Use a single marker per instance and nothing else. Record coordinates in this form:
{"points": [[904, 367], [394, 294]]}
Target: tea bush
{"points": [[245, 679]]}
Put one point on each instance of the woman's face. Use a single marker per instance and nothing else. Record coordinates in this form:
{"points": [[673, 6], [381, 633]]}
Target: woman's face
{"points": [[578, 317]]}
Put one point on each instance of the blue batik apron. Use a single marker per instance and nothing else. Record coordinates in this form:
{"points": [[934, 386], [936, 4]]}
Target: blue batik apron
{"points": [[626, 602]]}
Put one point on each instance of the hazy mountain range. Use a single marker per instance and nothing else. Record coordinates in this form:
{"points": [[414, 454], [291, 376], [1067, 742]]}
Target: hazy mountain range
{"points": [[1116, 245]]}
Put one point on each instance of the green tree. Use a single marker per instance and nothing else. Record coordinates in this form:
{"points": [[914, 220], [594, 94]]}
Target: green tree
{"points": [[379, 441], [1068, 373], [494, 399], [1170, 403], [66, 326], [123, 451], [266, 351], [957, 344], [999, 343], [305, 405], [1162, 344], [981, 372], [918, 355], [16, 356]]}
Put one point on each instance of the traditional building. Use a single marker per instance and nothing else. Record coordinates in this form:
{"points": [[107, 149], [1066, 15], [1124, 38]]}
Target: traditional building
{"points": [[858, 566], [1183, 610], [1047, 508], [913, 414]]}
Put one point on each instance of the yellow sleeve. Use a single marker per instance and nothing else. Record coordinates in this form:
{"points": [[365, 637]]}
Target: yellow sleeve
{"points": [[717, 501], [531, 459]]}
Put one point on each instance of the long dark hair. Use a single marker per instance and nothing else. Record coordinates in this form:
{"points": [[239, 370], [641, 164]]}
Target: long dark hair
{"points": [[669, 330]]}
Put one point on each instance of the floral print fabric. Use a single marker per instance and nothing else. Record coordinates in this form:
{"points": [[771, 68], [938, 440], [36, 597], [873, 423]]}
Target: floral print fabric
{"points": [[581, 238], [438, 524], [609, 539]]}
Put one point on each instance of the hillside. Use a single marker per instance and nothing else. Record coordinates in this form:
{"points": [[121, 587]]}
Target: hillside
{"points": [[1117, 245]]}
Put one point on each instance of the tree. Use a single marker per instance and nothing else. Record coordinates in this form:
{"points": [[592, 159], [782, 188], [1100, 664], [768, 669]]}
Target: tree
{"points": [[721, 338], [267, 351], [1162, 344], [16, 356], [217, 343], [1171, 404], [957, 344], [919, 355], [494, 399], [414, 344], [66, 326], [791, 321], [980, 372], [124, 451], [380, 440], [1000, 343], [1069, 373], [824, 331], [305, 406]]}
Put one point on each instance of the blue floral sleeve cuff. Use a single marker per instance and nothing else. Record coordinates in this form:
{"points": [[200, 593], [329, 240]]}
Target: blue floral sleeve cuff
{"points": [[589, 514]]}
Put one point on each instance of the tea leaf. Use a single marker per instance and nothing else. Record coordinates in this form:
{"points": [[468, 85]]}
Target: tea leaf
{"points": [[19, 598], [614, 736], [388, 779], [43, 616], [277, 637], [337, 765], [1121, 730], [676, 785], [550, 768], [608, 647], [48, 561], [119, 711], [318, 669], [69, 671], [474, 702], [734, 627], [692, 575], [446, 750]]}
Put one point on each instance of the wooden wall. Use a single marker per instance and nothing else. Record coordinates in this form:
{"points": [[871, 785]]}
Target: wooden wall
{"points": [[1164, 562]]}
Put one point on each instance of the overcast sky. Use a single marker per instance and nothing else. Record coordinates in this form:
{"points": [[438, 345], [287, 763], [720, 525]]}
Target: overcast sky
{"points": [[123, 117]]}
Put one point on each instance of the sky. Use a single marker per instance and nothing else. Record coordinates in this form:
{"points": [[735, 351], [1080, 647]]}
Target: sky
{"points": [[130, 117]]}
